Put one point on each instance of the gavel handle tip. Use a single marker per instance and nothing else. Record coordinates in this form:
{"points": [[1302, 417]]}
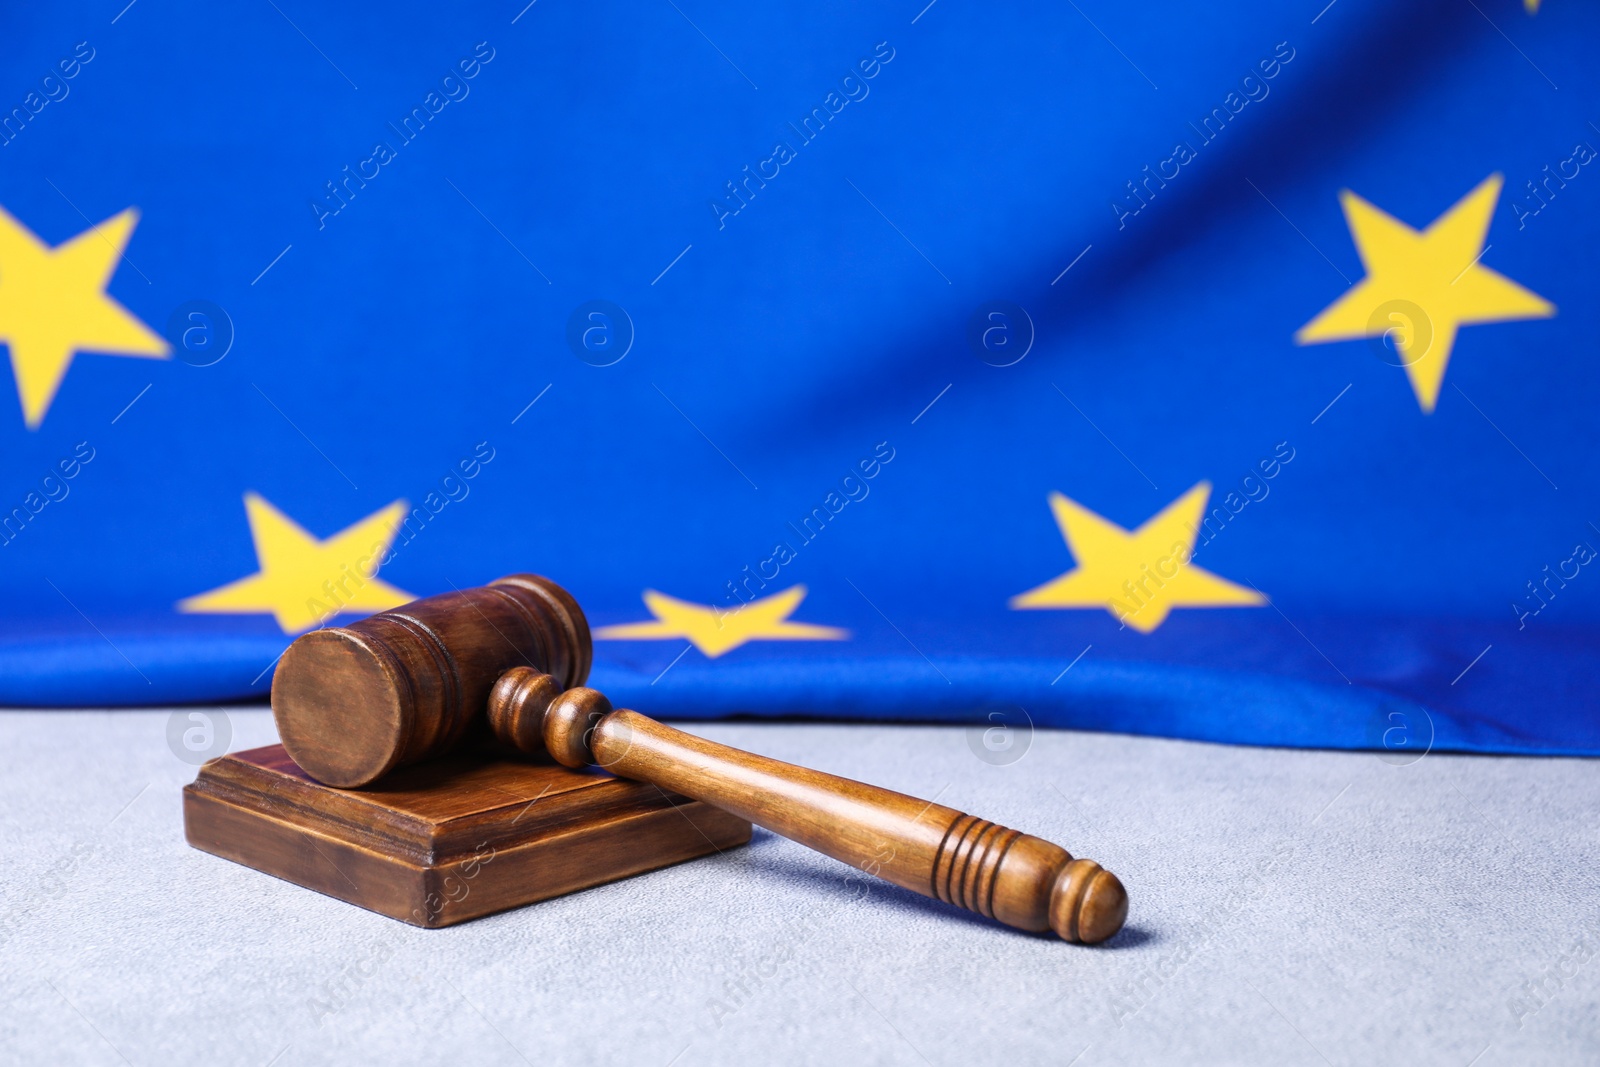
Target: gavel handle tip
{"points": [[1089, 904]]}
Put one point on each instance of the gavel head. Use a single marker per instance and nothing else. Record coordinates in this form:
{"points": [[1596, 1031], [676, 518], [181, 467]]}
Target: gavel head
{"points": [[353, 703]]}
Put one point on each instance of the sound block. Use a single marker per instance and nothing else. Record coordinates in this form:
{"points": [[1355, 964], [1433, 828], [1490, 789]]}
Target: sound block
{"points": [[444, 842]]}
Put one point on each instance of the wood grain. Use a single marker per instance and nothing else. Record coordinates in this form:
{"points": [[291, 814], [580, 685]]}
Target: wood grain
{"points": [[450, 840], [353, 703], [1015, 878]]}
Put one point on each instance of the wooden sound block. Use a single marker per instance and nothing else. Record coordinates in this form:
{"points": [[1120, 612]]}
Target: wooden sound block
{"points": [[447, 841]]}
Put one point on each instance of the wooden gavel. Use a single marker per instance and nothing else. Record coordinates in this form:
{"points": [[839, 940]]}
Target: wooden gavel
{"points": [[355, 702]]}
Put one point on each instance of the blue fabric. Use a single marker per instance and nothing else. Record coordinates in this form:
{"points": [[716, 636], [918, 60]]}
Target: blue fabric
{"points": [[655, 376]]}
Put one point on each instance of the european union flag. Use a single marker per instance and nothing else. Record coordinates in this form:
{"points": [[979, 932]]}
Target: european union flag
{"points": [[1218, 372]]}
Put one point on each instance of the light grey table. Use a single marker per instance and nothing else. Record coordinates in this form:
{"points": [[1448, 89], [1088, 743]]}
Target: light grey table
{"points": [[1287, 908]]}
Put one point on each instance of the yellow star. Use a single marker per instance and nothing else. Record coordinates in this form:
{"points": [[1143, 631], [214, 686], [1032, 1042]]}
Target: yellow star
{"points": [[304, 582], [1422, 286], [53, 303], [1138, 577], [1532, 6], [714, 631]]}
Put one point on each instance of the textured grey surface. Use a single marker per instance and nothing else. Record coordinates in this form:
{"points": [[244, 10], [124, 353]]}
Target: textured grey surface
{"points": [[1287, 908]]}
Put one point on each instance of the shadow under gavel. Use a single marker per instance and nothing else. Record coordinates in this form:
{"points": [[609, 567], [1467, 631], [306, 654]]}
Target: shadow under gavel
{"points": [[353, 703]]}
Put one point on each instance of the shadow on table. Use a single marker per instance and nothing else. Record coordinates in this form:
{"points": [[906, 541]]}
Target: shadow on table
{"points": [[892, 897]]}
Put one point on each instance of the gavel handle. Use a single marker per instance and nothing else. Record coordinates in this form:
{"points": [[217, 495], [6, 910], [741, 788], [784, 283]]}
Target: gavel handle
{"points": [[1020, 880]]}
